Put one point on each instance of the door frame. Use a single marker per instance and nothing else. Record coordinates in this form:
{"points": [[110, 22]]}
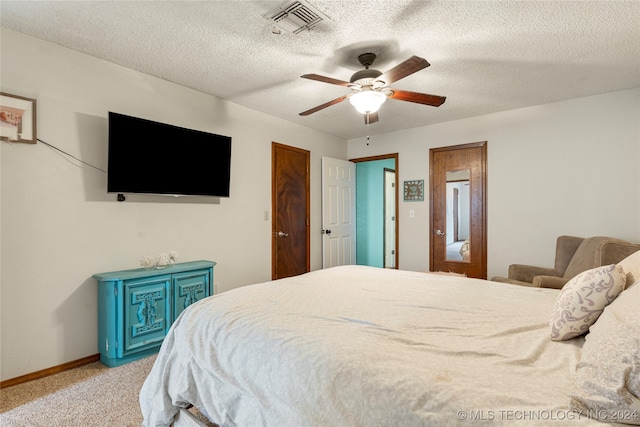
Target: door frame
{"points": [[475, 222], [395, 216], [397, 170], [274, 206]]}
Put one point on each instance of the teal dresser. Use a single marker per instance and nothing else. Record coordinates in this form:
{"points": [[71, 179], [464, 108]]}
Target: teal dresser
{"points": [[137, 307]]}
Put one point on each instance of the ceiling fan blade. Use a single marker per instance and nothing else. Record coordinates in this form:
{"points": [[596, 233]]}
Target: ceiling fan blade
{"points": [[370, 118], [402, 70], [325, 105], [418, 98], [324, 79]]}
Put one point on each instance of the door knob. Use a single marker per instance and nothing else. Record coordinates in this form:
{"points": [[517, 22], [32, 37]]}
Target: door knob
{"points": [[326, 231], [282, 234], [440, 232]]}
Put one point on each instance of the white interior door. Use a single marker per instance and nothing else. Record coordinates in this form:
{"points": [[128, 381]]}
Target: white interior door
{"points": [[338, 212]]}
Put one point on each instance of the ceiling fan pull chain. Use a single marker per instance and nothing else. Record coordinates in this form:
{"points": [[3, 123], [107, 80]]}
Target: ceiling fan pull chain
{"points": [[368, 123]]}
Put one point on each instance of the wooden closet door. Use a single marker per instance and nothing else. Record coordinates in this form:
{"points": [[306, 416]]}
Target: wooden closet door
{"points": [[470, 158], [290, 194]]}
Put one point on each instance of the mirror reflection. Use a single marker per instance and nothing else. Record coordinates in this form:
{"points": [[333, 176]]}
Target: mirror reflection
{"points": [[458, 215]]}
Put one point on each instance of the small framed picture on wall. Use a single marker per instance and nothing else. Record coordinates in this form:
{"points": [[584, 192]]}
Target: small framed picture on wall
{"points": [[414, 191], [17, 119]]}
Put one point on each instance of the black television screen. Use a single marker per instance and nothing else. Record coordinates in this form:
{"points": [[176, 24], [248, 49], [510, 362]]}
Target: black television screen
{"points": [[157, 158]]}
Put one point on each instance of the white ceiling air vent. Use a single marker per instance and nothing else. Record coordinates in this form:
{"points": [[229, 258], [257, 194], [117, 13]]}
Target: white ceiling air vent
{"points": [[295, 16]]}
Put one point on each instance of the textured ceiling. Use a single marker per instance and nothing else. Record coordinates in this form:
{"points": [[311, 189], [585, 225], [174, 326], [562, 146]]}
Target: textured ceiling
{"points": [[486, 56]]}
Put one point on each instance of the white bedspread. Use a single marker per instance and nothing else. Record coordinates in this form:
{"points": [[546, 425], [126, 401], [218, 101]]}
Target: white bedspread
{"points": [[362, 346]]}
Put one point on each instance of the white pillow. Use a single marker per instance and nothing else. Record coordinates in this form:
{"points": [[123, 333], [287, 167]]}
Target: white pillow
{"points": [[582, 300], [608, 374], [631, 266]]}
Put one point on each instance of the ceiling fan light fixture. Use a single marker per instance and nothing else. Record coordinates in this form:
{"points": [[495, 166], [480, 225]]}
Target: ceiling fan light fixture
{"points": [[367, 101], [370, 89]]}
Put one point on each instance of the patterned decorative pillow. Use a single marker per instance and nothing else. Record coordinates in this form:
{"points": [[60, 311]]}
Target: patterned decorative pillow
{"points": [[582, 300], [607, 383]]}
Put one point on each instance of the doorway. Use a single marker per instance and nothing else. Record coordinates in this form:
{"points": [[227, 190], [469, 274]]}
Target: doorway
{"points": [[376, 210], [290, 200], [458, 233]]}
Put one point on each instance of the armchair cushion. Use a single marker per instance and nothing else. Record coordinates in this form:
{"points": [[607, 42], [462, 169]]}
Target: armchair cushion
{"points": [[552, 282], [597, 251], [566, 247], [526, 273]]}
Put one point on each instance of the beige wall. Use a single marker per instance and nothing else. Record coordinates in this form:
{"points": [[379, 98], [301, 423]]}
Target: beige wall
{"points": [[59, 226], [565, 168]]}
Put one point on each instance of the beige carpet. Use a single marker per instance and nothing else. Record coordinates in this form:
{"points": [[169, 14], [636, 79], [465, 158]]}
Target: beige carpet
{"points": [[91, 395]]}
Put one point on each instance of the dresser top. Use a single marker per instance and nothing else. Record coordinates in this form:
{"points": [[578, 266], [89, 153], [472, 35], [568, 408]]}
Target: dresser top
{"points": [[142, 272]]}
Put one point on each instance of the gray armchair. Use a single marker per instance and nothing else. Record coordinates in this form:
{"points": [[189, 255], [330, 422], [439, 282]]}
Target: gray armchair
{"points": [[573, 256]]}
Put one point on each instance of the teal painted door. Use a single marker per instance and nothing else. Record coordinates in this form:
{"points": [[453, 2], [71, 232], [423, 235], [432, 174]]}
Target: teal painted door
{"points": [[189, 287], [146, 311]]}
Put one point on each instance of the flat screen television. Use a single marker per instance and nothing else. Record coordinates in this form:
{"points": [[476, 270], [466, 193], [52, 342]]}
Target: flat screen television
{"points": [[156, 158]]}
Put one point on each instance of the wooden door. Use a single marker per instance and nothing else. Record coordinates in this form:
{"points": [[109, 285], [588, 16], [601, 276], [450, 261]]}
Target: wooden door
{"points": [[290, 239], [338, 212], [469, 160]]}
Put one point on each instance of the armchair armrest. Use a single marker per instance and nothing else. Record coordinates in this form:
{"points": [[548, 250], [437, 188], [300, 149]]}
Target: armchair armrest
{"points": [[526, 273], [553, 282]]}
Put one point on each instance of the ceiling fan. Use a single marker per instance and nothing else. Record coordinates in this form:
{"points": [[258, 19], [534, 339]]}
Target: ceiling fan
{"points": [[370, 87]]}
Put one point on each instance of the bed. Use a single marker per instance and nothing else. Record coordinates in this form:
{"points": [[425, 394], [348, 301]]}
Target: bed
{"points": [[364, 346]]}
